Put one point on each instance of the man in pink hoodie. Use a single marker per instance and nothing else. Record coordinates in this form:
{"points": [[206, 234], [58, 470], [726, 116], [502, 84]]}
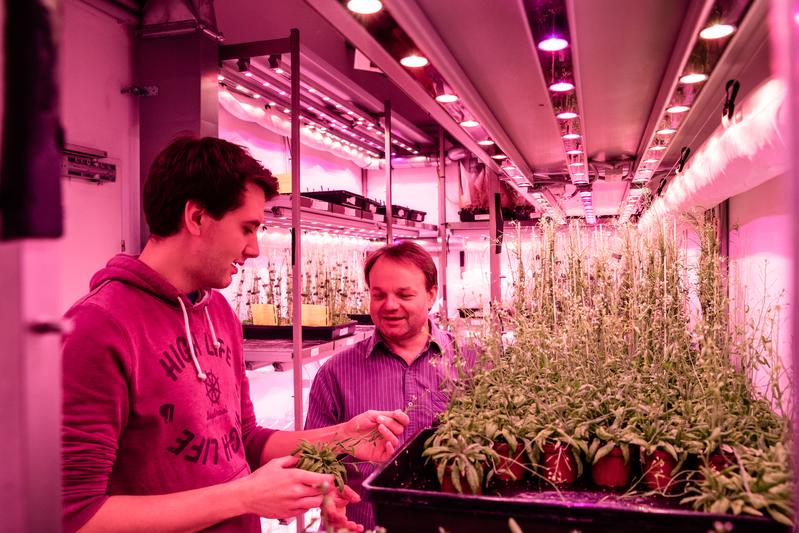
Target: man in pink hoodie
{"points": [[159, 431]]}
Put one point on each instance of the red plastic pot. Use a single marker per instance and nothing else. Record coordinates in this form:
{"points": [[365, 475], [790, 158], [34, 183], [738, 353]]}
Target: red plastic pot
{"points": [[510, 466], [657, 470], [560, 467], [720, 460], [611, 470], [448, 486]]}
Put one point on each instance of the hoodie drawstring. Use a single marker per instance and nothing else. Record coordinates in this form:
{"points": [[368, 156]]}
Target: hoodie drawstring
{"points": [[200, 374], [217, 343]]}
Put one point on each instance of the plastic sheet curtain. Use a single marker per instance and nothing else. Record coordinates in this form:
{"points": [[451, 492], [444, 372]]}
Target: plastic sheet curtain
{"points": [[30, 186]]}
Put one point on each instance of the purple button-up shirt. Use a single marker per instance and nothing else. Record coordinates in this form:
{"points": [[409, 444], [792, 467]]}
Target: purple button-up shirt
{"points": [[369, 376]]}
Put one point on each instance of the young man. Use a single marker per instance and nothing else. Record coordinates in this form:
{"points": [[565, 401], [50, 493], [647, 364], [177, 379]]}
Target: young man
{"points": [[158, 430], [402, 366]]}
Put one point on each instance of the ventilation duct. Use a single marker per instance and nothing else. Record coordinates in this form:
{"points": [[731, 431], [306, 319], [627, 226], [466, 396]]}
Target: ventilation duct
{"points": [[738, 158], [419, 161], [280, 124]]}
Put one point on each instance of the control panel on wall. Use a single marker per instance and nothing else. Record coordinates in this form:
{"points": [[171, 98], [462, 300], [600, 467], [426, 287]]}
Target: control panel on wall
{"points": [[80, 162]]}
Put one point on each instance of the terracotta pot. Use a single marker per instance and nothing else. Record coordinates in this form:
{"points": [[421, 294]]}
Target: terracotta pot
{"points": [[448, 486], [510, 466], [560, 467], [657, 470], [611, 471]]}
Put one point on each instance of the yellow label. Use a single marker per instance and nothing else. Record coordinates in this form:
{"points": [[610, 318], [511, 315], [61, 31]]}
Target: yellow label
{"points": [[315, 315], [263, 314]]}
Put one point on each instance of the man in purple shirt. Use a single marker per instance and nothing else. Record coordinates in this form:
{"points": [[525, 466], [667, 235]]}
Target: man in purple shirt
{"points": [[402, 366]]}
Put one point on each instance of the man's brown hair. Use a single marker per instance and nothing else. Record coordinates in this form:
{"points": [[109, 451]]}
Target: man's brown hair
{"points": [[210, 171], [405, 252]]}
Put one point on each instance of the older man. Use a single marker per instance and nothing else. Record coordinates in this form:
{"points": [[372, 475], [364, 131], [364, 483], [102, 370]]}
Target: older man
{"points": [[403, 365]]}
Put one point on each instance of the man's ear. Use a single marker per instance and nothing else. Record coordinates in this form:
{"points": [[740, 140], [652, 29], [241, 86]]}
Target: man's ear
{"points": [[193, 217], [431, 295]]}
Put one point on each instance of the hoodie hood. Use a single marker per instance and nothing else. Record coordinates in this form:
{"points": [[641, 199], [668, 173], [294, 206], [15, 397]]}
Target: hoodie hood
{"points": [[131, 271]]}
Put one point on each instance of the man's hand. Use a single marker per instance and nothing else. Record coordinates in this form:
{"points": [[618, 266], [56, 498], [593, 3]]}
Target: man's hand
{"points": [[334, 513], [374, 434], [276, 490]]}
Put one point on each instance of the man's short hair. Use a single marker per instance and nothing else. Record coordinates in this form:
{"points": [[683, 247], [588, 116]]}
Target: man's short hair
{"points": [[405, 252], [210, 171]]}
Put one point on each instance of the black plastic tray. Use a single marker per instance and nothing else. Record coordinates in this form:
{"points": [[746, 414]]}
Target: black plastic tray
{"points": [[362, 319], [398, 211], [318, 333], [405, 495], [338, 197], [416, 216]]}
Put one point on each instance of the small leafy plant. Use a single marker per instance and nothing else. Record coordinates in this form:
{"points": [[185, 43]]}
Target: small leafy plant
{"points": [[323, 459]]}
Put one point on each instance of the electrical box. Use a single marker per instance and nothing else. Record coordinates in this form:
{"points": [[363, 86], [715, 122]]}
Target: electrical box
{"points": [[84, 163]]}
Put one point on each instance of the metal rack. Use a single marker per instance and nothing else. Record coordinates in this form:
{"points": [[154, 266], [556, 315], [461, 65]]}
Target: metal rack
{"points": [[279, 353], [318, 215]]}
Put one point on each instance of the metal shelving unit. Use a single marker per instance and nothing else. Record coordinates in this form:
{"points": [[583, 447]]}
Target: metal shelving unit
{"points": [[318, 215], [278, 352]]}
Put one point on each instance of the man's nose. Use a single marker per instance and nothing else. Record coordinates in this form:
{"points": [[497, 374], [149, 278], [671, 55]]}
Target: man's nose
{"points": [[252, 250]]}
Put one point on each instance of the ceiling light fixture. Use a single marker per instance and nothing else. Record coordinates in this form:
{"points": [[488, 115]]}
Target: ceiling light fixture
{"points": [[561, 87], [574, 151], [485, 142], [678, 109], [657, 148], [553, 44], [365, 7], [666, 131], [694, 77], [469, 123], [717, 31], [566, 115], [446, 98], [499, 156], [571, 136], [414, 61]]}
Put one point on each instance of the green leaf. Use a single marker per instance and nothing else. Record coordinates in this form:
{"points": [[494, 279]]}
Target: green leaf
{"points": [[473, 478], [603, 451], [781, 518]]}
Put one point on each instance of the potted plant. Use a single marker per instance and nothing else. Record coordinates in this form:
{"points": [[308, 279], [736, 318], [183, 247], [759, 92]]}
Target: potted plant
{"points": [[460, 460]]}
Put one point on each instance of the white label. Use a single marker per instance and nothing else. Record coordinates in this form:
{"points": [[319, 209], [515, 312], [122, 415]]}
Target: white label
{"points": [[315, 351]]}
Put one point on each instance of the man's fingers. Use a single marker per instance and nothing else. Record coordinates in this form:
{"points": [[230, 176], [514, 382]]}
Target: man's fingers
{"points": [[308, 502], [388, 435], [393, 424], [315, 480], [350, 495], [284, 462]]}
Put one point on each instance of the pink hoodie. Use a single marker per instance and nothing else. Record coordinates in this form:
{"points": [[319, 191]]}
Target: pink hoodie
{"points": [[138, 418]]}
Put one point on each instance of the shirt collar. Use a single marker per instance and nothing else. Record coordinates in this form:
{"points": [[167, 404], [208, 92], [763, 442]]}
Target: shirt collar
{"points": [[438, 339]]}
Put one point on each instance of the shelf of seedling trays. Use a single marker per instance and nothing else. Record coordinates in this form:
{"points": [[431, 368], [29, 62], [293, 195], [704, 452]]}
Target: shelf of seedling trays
{"points": [[407, 497], [321, 215], [278, 352]]}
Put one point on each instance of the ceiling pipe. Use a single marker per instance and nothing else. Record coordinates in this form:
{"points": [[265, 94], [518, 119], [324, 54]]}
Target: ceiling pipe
{"points": [[338, 16], [693, 22], [411, 18]]}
